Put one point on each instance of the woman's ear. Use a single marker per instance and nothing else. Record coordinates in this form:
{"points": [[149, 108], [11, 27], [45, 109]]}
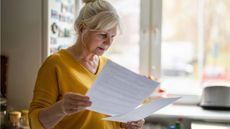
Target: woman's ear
{"points": [[82, 27]]}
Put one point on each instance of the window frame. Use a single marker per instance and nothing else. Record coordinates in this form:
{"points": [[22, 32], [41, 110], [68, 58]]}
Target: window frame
{"points": [[150, 38]]}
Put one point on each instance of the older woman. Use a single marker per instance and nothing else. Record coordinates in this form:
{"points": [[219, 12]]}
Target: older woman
{"points": [[59, 100]]}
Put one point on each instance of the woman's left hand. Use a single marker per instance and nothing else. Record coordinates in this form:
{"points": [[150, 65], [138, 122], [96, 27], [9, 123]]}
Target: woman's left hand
{"points": [[133, 124]]}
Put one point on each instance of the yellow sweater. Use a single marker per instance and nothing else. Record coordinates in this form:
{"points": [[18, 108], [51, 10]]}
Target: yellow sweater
{"points": [[59, 74]]}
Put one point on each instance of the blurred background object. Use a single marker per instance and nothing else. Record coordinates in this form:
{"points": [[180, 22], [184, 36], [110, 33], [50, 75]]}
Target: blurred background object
{"points": [[4, 67], [3, 104]]}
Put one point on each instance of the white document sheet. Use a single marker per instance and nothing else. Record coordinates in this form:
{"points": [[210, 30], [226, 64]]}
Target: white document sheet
{"points": [[142, 111], [118, 90]]}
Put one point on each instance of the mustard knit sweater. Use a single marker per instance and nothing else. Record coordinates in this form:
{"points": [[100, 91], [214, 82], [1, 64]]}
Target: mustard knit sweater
{"points": [[59, 74]]}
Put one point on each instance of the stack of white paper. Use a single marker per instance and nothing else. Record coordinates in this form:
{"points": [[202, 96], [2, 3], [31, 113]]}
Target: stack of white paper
{"points": [[118, 92]]}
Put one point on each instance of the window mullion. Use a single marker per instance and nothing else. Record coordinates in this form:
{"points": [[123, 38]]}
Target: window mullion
{"points": [[150, 38], [144, 37], [155, 38]]}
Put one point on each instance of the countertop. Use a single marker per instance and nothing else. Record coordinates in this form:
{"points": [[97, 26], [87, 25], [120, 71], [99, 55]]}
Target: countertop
{"points": [[193, 112]]}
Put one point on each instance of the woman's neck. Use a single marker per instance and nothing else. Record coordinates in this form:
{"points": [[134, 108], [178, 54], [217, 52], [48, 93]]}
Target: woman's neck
{"points": [[89, 60], [80, 53]]}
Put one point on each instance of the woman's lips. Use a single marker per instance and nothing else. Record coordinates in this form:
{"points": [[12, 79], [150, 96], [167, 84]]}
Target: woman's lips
{"points": [[102, 49]]}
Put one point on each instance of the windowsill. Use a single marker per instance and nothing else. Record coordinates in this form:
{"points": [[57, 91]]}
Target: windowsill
{"points": [[192, 112]]}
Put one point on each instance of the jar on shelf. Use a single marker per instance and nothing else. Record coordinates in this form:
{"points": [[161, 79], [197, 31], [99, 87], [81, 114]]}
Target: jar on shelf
{"points": [[24, 122], [14, 117]]}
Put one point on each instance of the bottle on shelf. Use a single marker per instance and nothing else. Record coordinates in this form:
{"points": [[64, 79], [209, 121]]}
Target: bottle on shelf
{"points": [[179, 123]]}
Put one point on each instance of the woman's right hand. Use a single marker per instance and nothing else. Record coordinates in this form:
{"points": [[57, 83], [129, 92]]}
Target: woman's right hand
{"points": [[71, 103], [74, 102]]}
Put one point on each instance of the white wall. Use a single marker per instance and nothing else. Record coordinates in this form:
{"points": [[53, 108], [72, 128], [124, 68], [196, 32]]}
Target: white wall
{"points": [[21, 41]]}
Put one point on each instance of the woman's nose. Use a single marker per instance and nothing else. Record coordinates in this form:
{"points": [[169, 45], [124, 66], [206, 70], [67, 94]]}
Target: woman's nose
{"points": [[108, 40]]}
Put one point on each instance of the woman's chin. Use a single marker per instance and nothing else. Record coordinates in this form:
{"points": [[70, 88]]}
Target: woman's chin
{"points": [[100, 52]]}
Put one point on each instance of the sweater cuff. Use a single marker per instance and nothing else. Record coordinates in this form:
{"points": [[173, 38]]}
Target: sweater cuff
{"points": [[34, 120]]}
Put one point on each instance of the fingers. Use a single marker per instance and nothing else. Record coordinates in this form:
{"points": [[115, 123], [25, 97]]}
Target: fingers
{"points": [[77, 103], [76, 97], [73, 102], [134, 124]]}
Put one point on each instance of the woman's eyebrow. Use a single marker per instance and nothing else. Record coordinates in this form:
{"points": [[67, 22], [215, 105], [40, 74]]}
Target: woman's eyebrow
{"points": [[105, 32]]}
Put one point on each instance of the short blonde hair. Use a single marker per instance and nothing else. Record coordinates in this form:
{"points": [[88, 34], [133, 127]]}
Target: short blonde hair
{"points": [[97, 15]]}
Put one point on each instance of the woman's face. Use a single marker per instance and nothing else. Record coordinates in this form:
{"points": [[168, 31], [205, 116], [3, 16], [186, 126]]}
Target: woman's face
{"points": [[97, 42]]}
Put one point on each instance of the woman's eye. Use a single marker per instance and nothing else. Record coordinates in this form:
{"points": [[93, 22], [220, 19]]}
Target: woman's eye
{"points": [[103, 35]]}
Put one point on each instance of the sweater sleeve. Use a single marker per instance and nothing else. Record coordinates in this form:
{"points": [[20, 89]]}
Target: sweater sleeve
{"points": [[45, 92]]}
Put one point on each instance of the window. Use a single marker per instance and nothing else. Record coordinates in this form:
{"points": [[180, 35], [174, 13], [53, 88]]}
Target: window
{"points": [[195, 44]]}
